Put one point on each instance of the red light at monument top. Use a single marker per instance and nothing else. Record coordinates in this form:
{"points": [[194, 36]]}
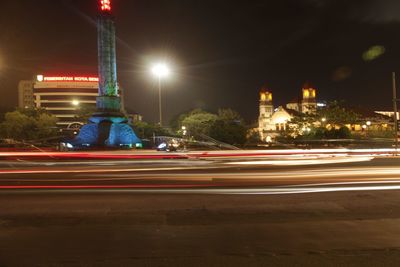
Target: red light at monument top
{"points": [[105, 5]]}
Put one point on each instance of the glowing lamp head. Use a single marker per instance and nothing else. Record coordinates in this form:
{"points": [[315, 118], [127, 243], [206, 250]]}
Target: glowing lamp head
{"points": [[160, 70], [105, 5]]}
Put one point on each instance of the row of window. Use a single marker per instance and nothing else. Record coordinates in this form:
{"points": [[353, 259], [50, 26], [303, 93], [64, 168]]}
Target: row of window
{"points": [[67, 97], [65, 90], [63, 105]]}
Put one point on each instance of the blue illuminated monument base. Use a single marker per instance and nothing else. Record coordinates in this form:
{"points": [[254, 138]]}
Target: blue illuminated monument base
{"points": [[111, 132], [107, 128]]}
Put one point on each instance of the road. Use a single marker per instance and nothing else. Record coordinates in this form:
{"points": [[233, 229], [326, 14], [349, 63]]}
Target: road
{"points": [[280, 211]]}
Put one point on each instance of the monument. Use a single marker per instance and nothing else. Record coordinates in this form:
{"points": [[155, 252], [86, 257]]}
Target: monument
{"points": [[108, 127]]}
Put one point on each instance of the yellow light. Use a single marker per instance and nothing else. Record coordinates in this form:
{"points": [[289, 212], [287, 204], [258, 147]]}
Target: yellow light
{"points": [[263, 97], [306, 93], [75, 102], [270, 97]]}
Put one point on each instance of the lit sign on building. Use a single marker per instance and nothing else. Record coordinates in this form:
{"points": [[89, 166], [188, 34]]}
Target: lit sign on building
{"points": [[105, 5], [41, 78]]}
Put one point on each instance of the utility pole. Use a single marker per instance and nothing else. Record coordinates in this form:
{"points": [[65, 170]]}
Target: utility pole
{"points": [[395, 112]]}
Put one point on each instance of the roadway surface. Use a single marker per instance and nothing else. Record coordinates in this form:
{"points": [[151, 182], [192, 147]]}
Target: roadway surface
{"points": [[292, 210]]}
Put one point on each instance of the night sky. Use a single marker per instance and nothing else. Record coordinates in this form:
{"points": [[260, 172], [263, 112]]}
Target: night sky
{"points": [[222, 52]]}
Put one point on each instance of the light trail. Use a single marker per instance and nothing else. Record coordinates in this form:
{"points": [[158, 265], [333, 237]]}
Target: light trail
{"points": [[198, 189], [302, 162], [60, 171], [292, 162], [218, 177], [198, 154]]}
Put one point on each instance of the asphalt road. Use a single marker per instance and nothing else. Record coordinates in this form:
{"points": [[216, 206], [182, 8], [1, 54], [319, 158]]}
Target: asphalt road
{"points": [[304, 211]]}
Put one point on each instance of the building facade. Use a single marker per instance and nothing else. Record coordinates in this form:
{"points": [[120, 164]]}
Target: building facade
{"points": [[274, 120], [25, 94], [62, 96]]}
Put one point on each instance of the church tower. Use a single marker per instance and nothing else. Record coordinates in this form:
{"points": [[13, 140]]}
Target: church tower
{"points": [[309, 100], [266, 106], [266, 110]]}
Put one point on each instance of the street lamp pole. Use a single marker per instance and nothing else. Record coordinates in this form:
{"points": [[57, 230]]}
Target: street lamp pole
{"points": [[159, 99], [396, 142], [161, 71]]}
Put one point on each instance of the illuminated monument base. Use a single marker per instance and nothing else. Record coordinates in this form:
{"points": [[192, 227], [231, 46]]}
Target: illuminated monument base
{"points": [[107, 128]]}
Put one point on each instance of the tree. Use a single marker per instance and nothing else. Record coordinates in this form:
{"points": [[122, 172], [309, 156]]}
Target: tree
{"points": [[229, 128], [46, 125], [301, 125], [17, 125], [199, 122], [28, 124], [327, 123], [146, 130], [337, 116]]}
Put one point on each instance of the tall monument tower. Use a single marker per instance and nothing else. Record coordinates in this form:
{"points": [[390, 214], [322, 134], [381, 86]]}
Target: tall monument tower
{"points": [[108, 127], [108, 99]]}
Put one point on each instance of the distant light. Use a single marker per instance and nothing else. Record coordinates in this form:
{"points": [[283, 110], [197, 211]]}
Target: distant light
{"points": [[364, 126], [69, 145], [75, 102], [321, 105], [368, 123], [342, 73], [323, 119], [39, 78], [374, 52], [160, 70]]}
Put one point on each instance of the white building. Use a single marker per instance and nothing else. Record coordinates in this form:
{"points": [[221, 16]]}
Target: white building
{"points": [[25, 94], [62, 96], [273, 120]]}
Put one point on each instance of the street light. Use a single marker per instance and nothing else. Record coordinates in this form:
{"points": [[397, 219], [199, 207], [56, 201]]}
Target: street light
{"points": [[160, 70], [75, 103]]}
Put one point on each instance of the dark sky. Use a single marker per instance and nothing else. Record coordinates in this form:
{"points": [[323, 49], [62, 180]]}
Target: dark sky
{"points": [[222, 51]]}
